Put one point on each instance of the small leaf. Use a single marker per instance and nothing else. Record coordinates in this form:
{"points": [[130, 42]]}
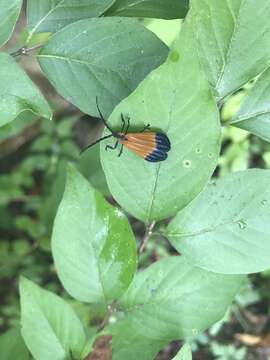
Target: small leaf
{"points": [[226, 229], [12, 346], [254, 113], [170, 300], [51, 16], [174, 99], [10, 10], [93, 245], [50, 328], [17, 93], [184, 354], [104, 57], [169, 9], [234, 41]]}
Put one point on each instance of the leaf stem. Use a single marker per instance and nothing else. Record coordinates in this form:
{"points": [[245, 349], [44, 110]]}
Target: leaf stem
{"points": [[25, 51], [110, 310], [147, 235]]}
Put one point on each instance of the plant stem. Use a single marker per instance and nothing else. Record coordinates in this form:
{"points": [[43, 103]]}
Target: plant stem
{"points": [[25, 51], [110, 310], [147, 235]]}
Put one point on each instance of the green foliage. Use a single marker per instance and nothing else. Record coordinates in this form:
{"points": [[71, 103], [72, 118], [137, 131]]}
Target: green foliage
{"points": [[104, 57], [253, 114], [18, 93], [10, 10], [12, 346], [180, 94], [227, 218], [158, 295], [231, 51], [171, 9], [95, 255], [51, 16], [216, 72], [50, 327]]}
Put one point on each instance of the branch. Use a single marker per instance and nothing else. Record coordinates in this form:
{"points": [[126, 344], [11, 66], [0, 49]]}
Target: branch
{"points": [[147, 235], [25, 51]]}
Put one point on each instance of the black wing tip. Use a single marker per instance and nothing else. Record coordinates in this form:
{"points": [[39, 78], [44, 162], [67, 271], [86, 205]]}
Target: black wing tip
{"points": [[156, 156], [163, 142]]}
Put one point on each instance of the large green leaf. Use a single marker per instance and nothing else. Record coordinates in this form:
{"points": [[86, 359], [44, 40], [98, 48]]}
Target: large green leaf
{"points": [[51, 16], [104, 57], [50, 328], [93, 245], [226, 229], [234, 40], [9, 13], [169, 9], [184, 353], [254, 113], [170, 300], [17, 93], [12, 346], [175, 99]]}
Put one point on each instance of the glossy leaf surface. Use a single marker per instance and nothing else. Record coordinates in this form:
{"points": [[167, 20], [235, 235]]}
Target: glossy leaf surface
{"points": [[226, 229], [93, 245], [17, 93], [169, 300], [174, 99], [104, 57]]}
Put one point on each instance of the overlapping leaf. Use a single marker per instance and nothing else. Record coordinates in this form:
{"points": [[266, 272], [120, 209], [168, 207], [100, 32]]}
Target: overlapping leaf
{"points": [[104, 57], [226, 229], [254, 114], [51, 16], [50, 328], [234, 41], [174, 99], [12, 346], [170, 300], [169, 9], [93, 245], [17, 93], [9, 13]]}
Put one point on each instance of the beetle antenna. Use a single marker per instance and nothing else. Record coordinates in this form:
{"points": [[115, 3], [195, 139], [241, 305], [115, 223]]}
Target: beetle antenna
{"points": [[104, 121], [96, 142]]}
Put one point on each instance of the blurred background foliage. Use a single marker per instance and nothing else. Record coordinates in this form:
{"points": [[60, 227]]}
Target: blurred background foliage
{"points": [[33, 157]]}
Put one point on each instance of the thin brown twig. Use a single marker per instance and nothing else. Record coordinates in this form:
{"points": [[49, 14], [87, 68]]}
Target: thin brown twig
{"points": [[25, 51], [147, 235]]}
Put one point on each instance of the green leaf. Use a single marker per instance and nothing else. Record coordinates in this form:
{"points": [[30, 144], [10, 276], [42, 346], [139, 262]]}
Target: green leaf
{"points": [[104, 57], [176, 100], [184, 354], [254, 113], [17, 93], [9, 13], [93, 245], [169, 9], [51, 16], [170, 300], [50, 328], [234, 41], [226, 228], [12, 346], [91, 168]]}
